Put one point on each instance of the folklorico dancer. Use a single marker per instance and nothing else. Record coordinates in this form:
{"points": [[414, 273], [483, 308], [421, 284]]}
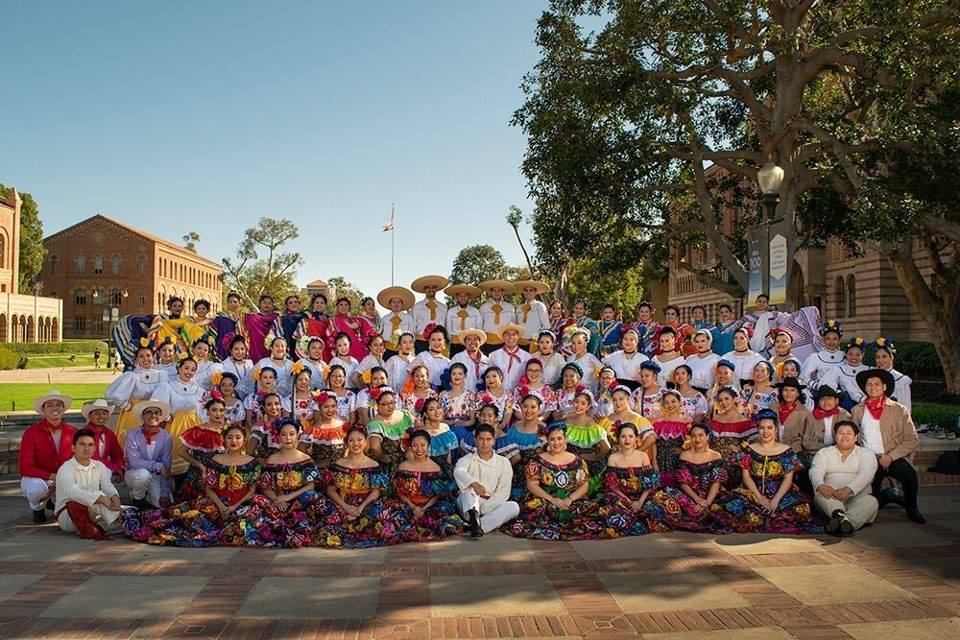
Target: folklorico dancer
{"points": [[429, 310], [816, 366], [462, 315], [532, 314], [496, 312], [399, 300]]}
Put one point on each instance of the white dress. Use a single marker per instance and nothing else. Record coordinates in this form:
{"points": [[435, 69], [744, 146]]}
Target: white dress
{"points": [[398, 371], [348, 364], [743, 363], [317, 381], [818, 364], [588, 364], [284, 379], [703, 374], [552, 366], [667, 368], [241, 369], [626, 368], [133, 386], [435, 364], [844, 378]]}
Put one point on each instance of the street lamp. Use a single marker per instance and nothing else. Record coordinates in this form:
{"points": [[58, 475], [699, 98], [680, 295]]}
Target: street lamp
{"points": [[111, 315], [770, 177]]}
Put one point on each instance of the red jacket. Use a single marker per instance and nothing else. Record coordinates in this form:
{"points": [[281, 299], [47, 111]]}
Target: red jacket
{"points": [[112, 452], [39, 457]]}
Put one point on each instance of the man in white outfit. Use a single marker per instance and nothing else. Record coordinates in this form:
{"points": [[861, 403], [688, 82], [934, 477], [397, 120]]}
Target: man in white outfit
{"points": [[841, 476], [484, 479], [87, 502]]}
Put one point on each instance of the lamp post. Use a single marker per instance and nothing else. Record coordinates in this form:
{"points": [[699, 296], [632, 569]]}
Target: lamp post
{"points": [[111, 314], [770, 177]]}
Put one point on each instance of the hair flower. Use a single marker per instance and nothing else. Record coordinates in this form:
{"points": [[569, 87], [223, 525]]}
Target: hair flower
{"points": [[216, 378], [427, 330], [256, 374], [367, 376], [296, 369]]}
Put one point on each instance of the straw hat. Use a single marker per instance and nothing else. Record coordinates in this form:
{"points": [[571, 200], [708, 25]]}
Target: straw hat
{"points": [[473, 332], [511, 326], [388, 294], [506, 285], [418, 285], [154, 404], [53, 394], [541, 287], [455, 289], [96, 405]]}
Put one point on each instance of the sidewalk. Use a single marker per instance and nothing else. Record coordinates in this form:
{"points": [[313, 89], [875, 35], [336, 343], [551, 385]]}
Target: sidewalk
{"points": [[58, 375]]}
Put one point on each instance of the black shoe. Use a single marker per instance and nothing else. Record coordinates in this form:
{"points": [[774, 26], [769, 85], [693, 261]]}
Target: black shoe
{"points": [[916, 516], [142, 504], [39, 516], [835, 519], [50, 505], [476, 531], [846, 527]]}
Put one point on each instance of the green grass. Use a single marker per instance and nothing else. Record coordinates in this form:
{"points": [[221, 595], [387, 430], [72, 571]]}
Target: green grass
{"points": [[63, 360], [19, 396]]}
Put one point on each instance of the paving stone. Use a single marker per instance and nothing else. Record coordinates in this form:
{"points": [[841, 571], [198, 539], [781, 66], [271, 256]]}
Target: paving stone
{"points": [[55, 547], [306, 598], [893, 535], [516, 595], [179, 555], [670, 591], [12, 583], [128, 597], [650, 546], [929, 629], [755, 633], [758, 543], [832, 584], [330, 556], [462, 549]]}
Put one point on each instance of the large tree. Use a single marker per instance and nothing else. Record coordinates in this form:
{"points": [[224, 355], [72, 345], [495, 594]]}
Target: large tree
{"points": [[340, 287], [32, 250], [633, 100], [261, 265], [477, 263]]}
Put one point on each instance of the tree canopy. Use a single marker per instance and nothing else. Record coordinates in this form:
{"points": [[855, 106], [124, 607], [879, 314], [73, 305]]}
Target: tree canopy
{"points": [[261, 265], [32, 251]]}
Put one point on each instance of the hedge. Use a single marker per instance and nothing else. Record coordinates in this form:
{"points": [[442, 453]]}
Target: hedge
{"points": [[944, 415], [70, 346], [10, 360], [919, 360]]}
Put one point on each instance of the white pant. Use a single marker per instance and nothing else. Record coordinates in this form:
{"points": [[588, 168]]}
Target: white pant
{"points": [[104, 517], [144, 484], [492, 516], [36, 490], [860, 508]]}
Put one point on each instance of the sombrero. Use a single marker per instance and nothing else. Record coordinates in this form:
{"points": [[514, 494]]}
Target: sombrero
{"points": [[506, 285], [456, 289], [53, 394], [388, 294], [96, 405], [541, 287], [154, 404], [418, 285], [510, 326], [473, 332]]}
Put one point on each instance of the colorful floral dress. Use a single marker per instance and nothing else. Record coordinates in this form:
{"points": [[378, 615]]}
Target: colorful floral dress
{"points": [[326, 443], [502, 402], [198, 523], [390, 436], [670, 437], [374, 527], [647, 404], [585, 440], [529, 446], [456, 410], [688, 515], [303, 409], [443, 447], [502, 445], [548, 397], [408, 402], [202, 444], [345, 405], [267, 438], [437, 522], [293, 527], [618, 518], [542, 520], [758, 400], [793, 515], [692, 406]]}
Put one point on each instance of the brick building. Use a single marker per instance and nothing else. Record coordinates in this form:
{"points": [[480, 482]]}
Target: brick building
{"points": [[862, 292], [104, 269], [23, 318]]}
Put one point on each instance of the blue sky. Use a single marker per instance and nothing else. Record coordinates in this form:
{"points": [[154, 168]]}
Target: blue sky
{"points": [[204, 116]]}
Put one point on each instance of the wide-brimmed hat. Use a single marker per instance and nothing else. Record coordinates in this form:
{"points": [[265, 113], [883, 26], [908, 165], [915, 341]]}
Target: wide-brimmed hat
{"points": [[541, 287], [473, 332], [96, 405], [418, 285], [510, 326], [388, 294], [154, 404], [506, 285], [883, 374], [455, 289], [53, 394], [792, 382], [826, 391]]}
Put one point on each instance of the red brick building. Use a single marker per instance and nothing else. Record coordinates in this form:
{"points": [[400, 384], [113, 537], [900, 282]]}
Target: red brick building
{"points": [[103, 269]]}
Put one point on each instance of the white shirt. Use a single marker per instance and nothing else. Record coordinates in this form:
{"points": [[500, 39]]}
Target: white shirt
{"points": [[534, 318], [492, 320], [843, 377], [626, 368], [284, 379], [455, 323], [348, 368], [667, 368], [818, 364], [474, 369], [495, 474], [511, 365], [827, 431], [317, 380], [870, 433], [404, 322], [133, 386], [703, 375], [765, 321], [743, 363], [552, 366], [83, 484], [398, 371], [901, 389], [435, 364], [423, 315], [180, 396], [855, 473], [589, 364]]}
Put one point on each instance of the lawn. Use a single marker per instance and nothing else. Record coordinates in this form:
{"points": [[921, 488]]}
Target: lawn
{"points": [[63, 360], [19, 396]]}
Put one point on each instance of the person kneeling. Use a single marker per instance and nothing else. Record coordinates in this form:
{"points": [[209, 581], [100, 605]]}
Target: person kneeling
{"points": [[149, 454], [87, 502], [484, 479], [841, 476]]}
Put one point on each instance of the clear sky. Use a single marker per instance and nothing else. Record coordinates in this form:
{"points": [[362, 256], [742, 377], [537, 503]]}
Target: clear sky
{"points": [[204, 116]]}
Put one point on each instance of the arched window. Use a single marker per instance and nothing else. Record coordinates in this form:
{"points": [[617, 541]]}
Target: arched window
{"points": [[141, 265], [80, 297], [53, 263], [97, 265], [141, 299], [840, 298], [3, 250], [79, 265], [851, 296], [115, 298], [115, 264], [98, 297]]}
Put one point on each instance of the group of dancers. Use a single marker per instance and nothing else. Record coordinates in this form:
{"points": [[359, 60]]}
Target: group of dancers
{"points": [[543, 426]]}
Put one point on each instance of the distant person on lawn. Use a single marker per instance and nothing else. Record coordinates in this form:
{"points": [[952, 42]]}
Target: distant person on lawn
{"points": [[87, 502], [96, 358], [43, 448]]}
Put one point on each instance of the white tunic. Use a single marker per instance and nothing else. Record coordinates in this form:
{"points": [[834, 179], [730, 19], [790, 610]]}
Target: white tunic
{"points": [[435, 364], [398, 371], [534, 318], [552, 366], [86, 485], [426, 311], [626, 367], [743, 363], [180, 396], [818, 364], [317, 380], [512, 365], [133, 386], [703, 373], [496, 315], [392, 323], [460, 318], [589, 364]]}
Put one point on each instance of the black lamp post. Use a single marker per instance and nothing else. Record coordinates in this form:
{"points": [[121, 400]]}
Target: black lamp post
{"points": [[770, 177]]}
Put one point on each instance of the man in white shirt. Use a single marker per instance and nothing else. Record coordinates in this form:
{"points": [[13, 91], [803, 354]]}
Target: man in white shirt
{"points": [[510, 357], [472, 357], [399, 300], [484, 479], [532, 314], [429, 310], [461, 316], [841, 475], [87, 502], [496, 312]]}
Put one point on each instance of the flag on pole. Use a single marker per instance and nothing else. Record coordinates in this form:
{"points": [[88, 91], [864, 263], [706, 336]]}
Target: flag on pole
{"points": [[389, 226]]}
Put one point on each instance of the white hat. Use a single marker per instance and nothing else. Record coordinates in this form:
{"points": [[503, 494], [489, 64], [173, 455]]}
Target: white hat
{"points": [[96, 405], [53, 394], [154, 404]]}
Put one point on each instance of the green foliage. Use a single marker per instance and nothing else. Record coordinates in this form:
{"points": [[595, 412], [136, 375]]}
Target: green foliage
{"points": [[32, 250], [944, 415], [190, 240], [10, 360], [67, 346], [251, 274], [919, 360], [341, 287], [598, 285], [477, 263]]}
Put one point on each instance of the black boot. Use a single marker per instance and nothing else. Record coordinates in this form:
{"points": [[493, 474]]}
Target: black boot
{"points": [[39, 516], [916, 516], [50, 505], [835, 519], [846, 527], [476, 531]]}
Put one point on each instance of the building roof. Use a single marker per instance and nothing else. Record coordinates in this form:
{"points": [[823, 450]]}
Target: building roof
{"points": [[9, 200], [317, 284], [142, 234]]}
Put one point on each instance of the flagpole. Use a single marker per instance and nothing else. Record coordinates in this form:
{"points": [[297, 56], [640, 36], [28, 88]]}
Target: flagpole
{"points": [[393, 243]]}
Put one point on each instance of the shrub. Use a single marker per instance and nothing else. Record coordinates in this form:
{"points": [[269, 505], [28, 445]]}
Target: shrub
{"points": [[944, 415], [919, 360], [71, 346], [10, 360]]}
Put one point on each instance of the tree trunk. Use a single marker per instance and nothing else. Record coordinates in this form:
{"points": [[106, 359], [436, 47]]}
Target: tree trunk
{"points": [[560, 287], [533, 274]]}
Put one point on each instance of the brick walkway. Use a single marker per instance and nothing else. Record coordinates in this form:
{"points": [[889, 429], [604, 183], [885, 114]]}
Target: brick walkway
{"points": [[891, 580]]}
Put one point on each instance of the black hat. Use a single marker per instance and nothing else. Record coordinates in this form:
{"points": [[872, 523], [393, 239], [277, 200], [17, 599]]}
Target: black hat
{"points": [[826, 391], [792, 382], [883, 374]]}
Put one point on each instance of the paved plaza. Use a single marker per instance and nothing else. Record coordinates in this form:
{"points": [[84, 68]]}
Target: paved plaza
{"points": [[890, 581]]}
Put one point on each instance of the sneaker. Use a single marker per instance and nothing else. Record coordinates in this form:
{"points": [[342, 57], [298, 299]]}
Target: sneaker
{"points": [[846, 527], [835, 519], [39, 516], [476, 531]]}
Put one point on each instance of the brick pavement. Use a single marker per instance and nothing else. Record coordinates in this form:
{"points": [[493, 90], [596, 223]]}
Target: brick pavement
{"points": [[891, 580]]}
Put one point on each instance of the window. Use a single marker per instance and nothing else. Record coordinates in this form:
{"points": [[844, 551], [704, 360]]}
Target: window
{"points": [[3, 250], [141, 299], [53, 264], [141, 265], [115, 298], [159, 301], [80, 297], [97, 265], [98, 296], [115, 263], [79, 265], [840, 298], [851, 296], [97, 325], [80, 323]]}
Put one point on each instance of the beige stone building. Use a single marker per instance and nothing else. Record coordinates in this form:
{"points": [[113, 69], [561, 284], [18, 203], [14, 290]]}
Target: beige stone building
{"points": [[23, 318], [104, 269]]}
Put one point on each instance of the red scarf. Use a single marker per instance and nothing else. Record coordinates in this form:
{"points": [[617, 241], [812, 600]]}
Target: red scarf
{"points": [[820, 414], [476, 361], [148, 436], [786, 410], [513, 355], [875, 406]]}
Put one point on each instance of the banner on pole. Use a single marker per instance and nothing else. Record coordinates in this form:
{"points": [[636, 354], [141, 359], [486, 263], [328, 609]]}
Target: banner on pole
{"points": [[755, 281], [779, 259]]}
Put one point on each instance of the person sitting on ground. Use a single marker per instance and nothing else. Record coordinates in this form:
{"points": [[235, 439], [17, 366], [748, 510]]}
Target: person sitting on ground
{"points": [[149, 454], [87, 502], [107, 448], [841, 475], [44, 446], [485, 478]]}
